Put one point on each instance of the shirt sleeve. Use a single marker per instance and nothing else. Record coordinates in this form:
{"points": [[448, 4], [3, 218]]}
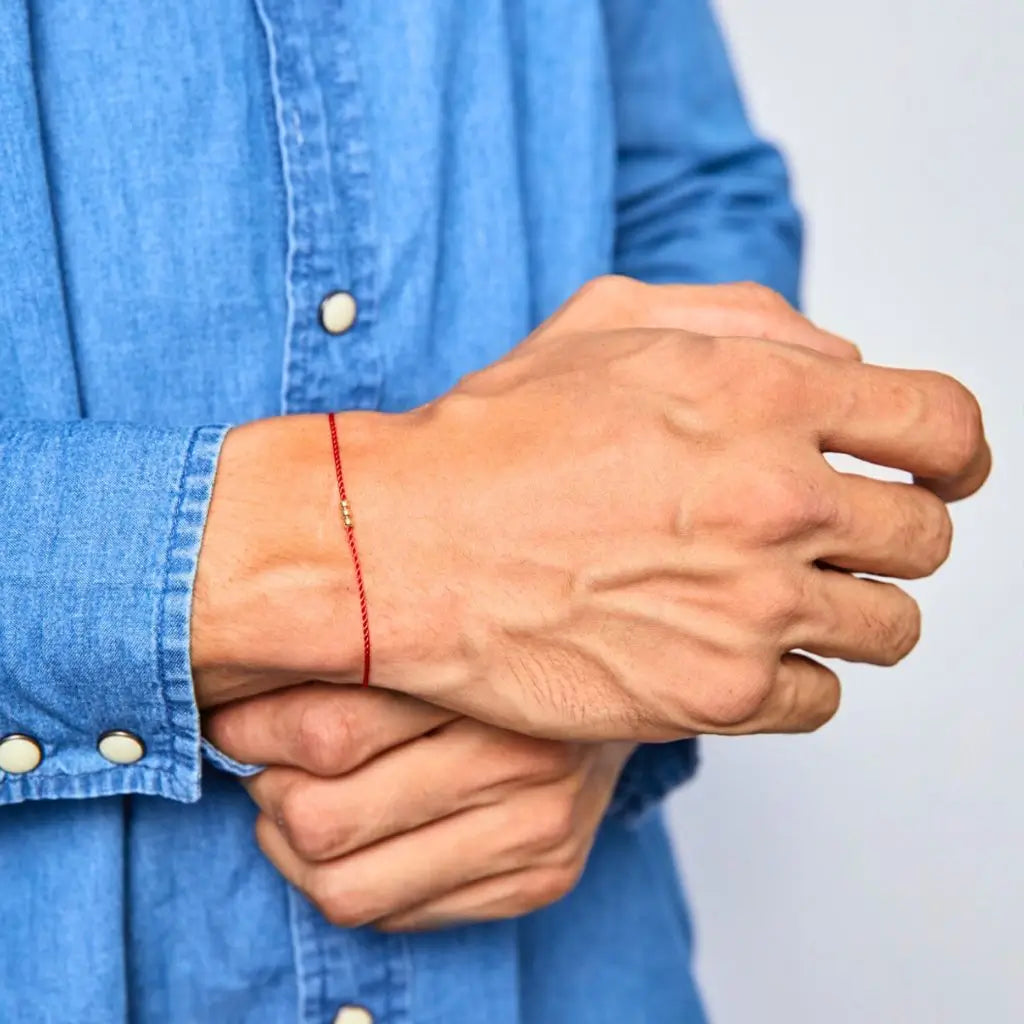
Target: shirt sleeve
{"points": [[702, 199], [102, 525]]}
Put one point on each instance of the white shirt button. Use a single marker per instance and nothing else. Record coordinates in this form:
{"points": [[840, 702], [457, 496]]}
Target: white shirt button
{"points": [[120, 747], [19, 754], [337, 312], [353, 1015]]}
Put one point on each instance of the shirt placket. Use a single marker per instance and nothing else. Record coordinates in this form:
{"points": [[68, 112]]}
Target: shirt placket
{"points": [[331, 357], [331, 362]]}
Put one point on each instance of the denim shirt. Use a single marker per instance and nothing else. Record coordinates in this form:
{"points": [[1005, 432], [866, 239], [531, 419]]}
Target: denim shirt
{"points": [[181, 184]]}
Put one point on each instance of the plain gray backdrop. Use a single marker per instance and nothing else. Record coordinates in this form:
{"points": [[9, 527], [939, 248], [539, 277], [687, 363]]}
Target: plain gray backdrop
{"points": [[874, 873]]}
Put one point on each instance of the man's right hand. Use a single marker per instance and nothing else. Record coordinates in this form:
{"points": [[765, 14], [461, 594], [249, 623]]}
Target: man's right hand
{"points": [[622, 530]]}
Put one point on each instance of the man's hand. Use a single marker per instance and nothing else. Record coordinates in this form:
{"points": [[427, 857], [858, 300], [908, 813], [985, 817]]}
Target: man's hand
{"points": [[616, 532], [385, 810]]}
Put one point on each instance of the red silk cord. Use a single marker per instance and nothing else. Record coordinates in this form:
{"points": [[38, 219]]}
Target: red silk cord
{"points": [[346, 518]]}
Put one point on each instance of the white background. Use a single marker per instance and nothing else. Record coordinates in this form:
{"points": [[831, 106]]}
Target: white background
{"points": [[874, 873]]}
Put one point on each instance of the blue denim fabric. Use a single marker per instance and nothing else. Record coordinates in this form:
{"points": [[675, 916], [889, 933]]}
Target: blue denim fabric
{"points": [[180, 185]]}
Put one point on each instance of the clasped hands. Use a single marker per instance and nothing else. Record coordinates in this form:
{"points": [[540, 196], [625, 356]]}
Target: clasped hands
{"points": [[385, 809], [623, 531]]}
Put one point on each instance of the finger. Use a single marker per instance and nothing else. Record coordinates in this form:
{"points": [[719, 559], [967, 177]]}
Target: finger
{"points": [[923, 422], [404, 788], [808, 694], [756, 313], [885, 528], [744, 310], [491, 899], [858, 619], [321, 728], [407, 870], [520, 892], [724, 310], [803, 696]]}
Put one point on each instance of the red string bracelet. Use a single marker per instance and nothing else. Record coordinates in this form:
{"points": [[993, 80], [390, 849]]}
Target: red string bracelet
{"points": [[346, 518]]}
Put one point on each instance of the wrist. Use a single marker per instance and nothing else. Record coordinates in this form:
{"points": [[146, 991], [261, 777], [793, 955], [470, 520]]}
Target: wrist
{"points": [[276, 601]]}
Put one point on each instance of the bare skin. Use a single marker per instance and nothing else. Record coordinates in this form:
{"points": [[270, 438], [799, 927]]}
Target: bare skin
{"points": [[389, 811], [611, 535], [606, 535]]}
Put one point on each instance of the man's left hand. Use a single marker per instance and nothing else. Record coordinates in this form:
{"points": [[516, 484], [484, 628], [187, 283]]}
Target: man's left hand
{"points": [[388, 811]]}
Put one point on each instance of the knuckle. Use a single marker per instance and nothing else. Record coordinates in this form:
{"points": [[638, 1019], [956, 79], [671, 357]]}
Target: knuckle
{"points": [[308, 832], [754, 295], [779, 600], [910, 404], [225, 729], [345, 908], [551, 885], [555, 822], [609, 289], [326, 737], [823, 705], [338, 914], [741, 696], [785, 502]]}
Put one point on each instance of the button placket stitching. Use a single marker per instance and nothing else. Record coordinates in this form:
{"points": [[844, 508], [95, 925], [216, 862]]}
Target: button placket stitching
{"points": [[312, 214], [364, 363]]}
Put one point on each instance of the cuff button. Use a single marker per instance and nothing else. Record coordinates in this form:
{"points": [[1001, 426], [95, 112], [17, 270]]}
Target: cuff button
{"points": [[121, 747], [19, 754]]}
